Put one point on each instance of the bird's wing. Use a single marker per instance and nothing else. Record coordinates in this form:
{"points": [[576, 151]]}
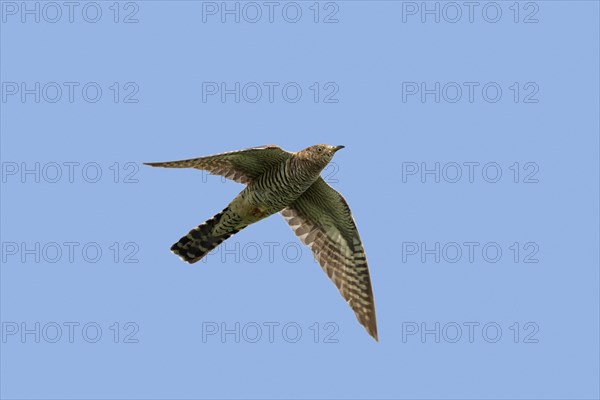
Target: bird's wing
{"points": [[323, 221], [241, 166]]}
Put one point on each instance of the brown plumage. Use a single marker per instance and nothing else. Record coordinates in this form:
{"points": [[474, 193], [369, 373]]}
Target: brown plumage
{"points": [[290, 183]]}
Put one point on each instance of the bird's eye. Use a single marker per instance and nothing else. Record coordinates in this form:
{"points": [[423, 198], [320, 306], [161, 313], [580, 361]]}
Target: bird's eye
{"points": [[319, 149]]}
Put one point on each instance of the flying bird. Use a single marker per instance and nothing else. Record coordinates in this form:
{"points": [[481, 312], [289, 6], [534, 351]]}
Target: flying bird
{"points": [[290, 183]]}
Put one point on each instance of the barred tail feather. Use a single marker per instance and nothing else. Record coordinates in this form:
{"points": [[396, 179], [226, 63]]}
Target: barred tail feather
{"points": [[202, 239]]}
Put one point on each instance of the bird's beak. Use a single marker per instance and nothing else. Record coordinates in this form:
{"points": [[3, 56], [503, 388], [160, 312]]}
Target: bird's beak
{"points": [[336, 148]]}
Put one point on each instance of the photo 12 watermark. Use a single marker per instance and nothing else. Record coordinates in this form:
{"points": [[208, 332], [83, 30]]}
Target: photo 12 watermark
{"points": [[258, 252], [470, 252], [270, 332], [70, 12], [470, 332], [526, 172], [69, 172], [52, 252], [470, 12], [270, 12], [270, 92], [329, 175], [53, 92], [36, 332], [470, 92]]}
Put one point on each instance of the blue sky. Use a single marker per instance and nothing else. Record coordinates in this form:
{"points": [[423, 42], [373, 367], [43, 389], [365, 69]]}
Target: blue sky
{"points": [[471, 167]]}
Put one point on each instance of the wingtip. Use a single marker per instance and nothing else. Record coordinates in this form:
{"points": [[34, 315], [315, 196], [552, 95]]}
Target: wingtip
{"points": [[374, 336]]}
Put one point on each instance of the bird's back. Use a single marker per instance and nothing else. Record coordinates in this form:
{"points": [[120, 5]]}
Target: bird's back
{"points": [[280, 185]]}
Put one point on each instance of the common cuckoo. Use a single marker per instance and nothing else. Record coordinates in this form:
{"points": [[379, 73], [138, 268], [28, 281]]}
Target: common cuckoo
{"points": [[290, 183]]}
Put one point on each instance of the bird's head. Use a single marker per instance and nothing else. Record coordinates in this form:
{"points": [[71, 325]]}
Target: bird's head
{"points": [[319, 154]]}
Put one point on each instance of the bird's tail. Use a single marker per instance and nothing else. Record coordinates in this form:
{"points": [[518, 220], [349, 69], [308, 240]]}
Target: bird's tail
{"points": [[205, 237]]}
